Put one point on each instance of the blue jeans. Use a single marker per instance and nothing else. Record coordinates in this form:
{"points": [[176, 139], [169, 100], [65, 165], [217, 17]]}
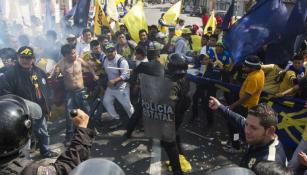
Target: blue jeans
{"points": [[75, 100], [40, 131]]}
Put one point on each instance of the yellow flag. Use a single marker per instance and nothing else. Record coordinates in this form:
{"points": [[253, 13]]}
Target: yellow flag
{"points": [[100, 19], [196, 42], [211, 23], [135, 20], [112, 10], [172, 13], [120, 1]]}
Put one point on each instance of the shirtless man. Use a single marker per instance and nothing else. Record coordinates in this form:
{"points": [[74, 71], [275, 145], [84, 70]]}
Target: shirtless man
{"points": [[71, 68]]}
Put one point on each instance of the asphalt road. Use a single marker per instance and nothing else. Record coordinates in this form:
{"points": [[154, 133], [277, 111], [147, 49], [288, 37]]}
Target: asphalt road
{"points": [[141, 155]]}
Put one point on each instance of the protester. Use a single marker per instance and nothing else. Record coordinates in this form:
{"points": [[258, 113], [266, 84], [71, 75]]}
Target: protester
{"points": [[117, 88], [293, 74], [84, 44], [259, 129], [28, 81], [125, 47], [71, 68]]}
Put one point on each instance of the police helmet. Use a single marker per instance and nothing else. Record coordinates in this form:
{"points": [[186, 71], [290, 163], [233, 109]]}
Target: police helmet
{"points": [[176, 64], [232, 171], [153, 50], [97, 166], [15, 123]]}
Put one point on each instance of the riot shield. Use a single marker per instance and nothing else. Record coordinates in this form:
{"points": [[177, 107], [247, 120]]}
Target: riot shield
{"points": [[97, 166], [158, 108]]}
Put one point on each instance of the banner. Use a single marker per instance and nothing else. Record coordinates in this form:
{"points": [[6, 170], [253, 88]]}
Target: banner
{"points": [[158, 107], [292, 116]]}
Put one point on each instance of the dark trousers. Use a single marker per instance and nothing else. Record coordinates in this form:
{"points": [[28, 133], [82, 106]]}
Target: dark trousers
{"points": [[203, 92], [135, 118], [74, 100], [172, 149]]}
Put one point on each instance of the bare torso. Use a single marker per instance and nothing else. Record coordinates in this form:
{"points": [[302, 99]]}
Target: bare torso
{"points": [[72, 72]]}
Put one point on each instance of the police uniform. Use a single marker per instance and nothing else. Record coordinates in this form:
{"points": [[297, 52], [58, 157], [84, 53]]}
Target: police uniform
{"points": [[16, 119]]}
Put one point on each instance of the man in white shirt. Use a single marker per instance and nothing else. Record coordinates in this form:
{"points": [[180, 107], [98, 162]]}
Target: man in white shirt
{"points": [[84, 44], [117, 87]]}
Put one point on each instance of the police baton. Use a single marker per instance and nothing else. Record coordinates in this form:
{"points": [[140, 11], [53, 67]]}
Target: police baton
{"points": [[74, 113]]}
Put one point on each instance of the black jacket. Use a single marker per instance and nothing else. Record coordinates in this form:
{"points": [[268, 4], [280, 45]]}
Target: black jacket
{"points": [[273, 151], [19, 81], [79, 151]]}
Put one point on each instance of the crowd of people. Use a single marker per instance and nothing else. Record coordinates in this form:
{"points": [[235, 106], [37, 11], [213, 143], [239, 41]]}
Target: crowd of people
{"points": [[78, 70]]}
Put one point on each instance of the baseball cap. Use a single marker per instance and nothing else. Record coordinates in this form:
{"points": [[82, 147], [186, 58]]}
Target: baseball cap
{"points": [[109, 47], [25, 51], [71, 36], [33, 109], [186, 31]]}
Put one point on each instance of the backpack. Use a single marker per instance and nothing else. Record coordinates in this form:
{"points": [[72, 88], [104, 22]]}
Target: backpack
{"points": [[119, 61]]}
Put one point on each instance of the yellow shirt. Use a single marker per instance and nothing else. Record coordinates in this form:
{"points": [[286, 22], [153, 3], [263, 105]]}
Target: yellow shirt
{"points": [[286, 82], [304, 136], [271, 72], [163, 59], [252, 85]]}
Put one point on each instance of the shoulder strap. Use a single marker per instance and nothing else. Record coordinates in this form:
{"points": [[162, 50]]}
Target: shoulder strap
{"points": [[119, 61]]}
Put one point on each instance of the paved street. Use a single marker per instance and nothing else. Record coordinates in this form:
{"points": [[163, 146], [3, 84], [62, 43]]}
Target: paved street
{"points": [[140, 155]]}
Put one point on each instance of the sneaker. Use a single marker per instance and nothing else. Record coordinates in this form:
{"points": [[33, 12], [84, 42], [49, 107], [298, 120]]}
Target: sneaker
{"points": [[105, 116], [50, 154], [232, 150], [115, 124]]}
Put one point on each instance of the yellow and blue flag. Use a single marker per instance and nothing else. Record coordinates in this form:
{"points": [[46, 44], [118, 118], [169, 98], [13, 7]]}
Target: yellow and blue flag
{"points": [[292, 115], [100, 19]]}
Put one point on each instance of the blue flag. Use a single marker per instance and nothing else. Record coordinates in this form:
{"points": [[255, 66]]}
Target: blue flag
{"points": [[297, 22], [256, 28], [291, 38], [71, 13], [49, 19], [228, 16], [81, 14]]}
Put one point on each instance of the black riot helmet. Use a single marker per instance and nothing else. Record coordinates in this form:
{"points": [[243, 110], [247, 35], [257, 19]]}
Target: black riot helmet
{"points": [[15, 123], [177, 66]]}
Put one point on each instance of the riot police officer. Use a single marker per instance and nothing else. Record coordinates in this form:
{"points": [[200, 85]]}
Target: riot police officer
{"points": [[16, 119], [164, 101]]}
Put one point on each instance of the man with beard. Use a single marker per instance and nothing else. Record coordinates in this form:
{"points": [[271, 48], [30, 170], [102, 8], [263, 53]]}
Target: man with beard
{"points": [[258, 128]]}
